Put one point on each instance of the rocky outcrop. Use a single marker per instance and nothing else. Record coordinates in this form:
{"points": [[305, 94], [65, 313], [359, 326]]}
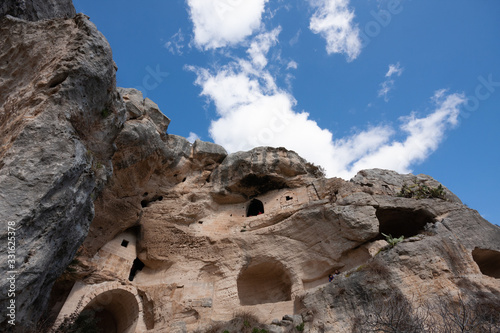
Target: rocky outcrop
{"points": [[243, 175], [380, 181], [206, 258], [178, 237], [35, 10], [430, 271], [59, 114]]}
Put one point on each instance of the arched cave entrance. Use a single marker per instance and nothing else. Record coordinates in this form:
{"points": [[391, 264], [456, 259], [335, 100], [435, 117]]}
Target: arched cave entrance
{"points": [[256, 207], [488, 261], [264, 282], [402, 222], [113, 311]]}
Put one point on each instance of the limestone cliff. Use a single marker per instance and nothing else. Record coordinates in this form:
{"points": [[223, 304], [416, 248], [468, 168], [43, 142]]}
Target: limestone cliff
{"points": [[59, 114], [179, 237]]}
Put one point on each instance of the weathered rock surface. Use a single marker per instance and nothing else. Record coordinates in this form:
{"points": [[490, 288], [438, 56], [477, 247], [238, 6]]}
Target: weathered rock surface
{"points": [[56, 78], [86, 165], [243, 175], [206, 259], [35, 10]]}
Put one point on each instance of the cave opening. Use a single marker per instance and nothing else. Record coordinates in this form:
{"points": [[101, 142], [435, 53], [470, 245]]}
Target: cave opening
{"points": [[402, 222], [256, 207], [264, 282], [488, 261], [113, 311], [137, 265]]}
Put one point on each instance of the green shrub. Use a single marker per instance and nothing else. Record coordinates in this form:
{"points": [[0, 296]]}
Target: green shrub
{"points": [[300, 327], [391, 240], [422, 191]]}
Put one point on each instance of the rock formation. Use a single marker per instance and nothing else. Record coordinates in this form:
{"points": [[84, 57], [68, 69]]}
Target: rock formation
{"points": [[34, 10], [178, 237], [59, 115]]}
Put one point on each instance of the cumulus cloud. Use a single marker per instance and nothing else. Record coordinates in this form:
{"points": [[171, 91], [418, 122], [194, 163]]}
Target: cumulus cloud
{"points": [[388, 84], [333, 20], [260, 46], [253, 111], [220, 23]]}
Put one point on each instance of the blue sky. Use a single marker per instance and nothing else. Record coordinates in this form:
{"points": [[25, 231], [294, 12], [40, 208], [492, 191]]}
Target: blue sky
{"points": [[408, 85]]}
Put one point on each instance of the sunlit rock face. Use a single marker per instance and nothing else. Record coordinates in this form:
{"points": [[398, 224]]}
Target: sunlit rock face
{"points": [[216, 239], [174, 236]]}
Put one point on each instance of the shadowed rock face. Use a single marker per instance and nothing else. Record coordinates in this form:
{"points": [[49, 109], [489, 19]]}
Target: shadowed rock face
{"points": [[82, 161], [265, 282], [35, 10], [57, 77]]}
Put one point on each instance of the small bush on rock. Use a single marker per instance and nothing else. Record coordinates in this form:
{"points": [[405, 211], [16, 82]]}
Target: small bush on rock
{"points": [[391, 240], [422, 191]]}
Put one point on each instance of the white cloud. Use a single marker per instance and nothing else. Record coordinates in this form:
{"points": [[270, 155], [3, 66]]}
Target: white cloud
{"points": [[388, 84], [423, 136], [394, 69], [219, 23], [385, 88], [176, 43], [261, 45], [192, 137], [253, 111], [334, 22], [292, 64]]}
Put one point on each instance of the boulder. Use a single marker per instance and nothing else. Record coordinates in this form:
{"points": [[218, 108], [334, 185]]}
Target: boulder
{"points": [[208, 152], [243, 175]]}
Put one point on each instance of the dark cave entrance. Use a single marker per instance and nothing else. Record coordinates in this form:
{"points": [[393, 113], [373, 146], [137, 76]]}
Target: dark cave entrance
{"points": [[402, 222], [488, 261], [137, 265], [106, 321], [255, 208]]}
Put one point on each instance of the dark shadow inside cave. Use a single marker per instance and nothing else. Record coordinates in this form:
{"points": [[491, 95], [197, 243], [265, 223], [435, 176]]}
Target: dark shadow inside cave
{"points": [[256, 207], [138, 265], [402, 222]]}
